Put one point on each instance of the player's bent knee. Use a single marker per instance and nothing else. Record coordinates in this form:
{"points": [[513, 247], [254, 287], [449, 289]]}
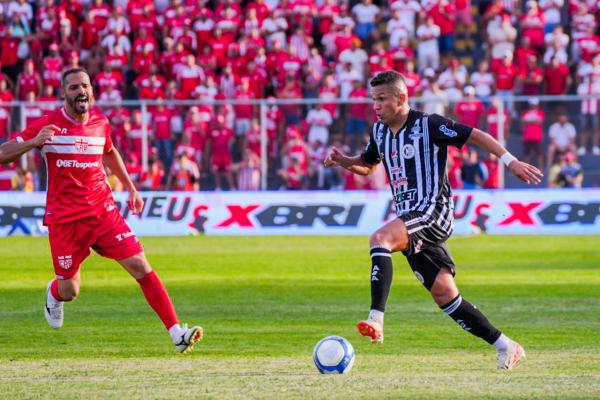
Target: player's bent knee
{"points": [[379, 238]]}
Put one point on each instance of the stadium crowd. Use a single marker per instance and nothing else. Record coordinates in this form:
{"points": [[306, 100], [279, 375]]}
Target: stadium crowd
{"points": [[454, 54]]}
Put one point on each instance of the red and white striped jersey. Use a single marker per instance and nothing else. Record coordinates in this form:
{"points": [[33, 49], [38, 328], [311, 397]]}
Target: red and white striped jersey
{"points": [[77, 186]]}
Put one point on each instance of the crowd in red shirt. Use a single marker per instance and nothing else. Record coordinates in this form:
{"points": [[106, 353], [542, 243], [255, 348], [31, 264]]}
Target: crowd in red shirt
{"points": [[284, 49]]}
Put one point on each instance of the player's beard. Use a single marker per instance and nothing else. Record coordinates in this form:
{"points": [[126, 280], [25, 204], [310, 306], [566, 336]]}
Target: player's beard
{"points": [[80, 107]]}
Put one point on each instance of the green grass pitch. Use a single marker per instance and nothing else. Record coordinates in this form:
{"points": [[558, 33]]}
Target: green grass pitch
{"points": [[264, 302]]}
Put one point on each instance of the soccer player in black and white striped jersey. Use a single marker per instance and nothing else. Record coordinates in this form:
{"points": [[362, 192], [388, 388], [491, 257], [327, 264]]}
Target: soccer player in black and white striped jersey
{"points": [[413, 149]]}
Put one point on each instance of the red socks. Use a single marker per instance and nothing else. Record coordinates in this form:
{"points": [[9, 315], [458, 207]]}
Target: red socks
{"points": [[158, 298], [54, 290]]}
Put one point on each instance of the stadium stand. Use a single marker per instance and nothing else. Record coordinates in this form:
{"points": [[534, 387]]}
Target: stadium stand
{"points": [[455, 54]]}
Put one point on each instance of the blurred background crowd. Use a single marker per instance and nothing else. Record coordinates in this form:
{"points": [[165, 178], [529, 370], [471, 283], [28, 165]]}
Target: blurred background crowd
{"points": [[460, 58]]}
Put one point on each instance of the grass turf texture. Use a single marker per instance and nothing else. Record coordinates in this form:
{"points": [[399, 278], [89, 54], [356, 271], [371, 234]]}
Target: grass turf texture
{"points": [[264, 303]]}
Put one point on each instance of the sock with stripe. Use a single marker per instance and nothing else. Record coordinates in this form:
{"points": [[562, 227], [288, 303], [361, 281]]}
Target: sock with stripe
{"points": [[53, 294], [471, 319], [381, 277], [156, 295]]}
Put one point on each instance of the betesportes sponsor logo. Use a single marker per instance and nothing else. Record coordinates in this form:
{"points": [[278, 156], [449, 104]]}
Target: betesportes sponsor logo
{"points": [[76, 164]]}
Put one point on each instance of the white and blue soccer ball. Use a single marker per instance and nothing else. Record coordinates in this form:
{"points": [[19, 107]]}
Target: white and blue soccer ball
{"points": [[333, 355]]}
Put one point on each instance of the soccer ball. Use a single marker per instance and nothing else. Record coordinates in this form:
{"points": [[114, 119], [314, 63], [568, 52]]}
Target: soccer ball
{"points": [[333, 355]]}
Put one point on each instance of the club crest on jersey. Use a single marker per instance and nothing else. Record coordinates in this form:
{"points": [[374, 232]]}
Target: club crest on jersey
{"points": [[81, 145], [65, 262], [447, 131], [408, 151], [415, 133]]}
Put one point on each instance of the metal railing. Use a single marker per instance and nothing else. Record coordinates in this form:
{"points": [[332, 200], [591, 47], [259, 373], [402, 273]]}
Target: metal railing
{"points": [[570, 103]]}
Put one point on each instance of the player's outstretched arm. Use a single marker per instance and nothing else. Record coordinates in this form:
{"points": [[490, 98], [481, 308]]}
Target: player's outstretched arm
{"points": [[525, 172], [113, 160], [354, 164], [13, 149]]}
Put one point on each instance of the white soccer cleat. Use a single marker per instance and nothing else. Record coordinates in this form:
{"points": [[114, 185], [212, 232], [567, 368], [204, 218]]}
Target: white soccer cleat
{"points": [[372, 329], [54, 313], [189, 338], [511, 357]]}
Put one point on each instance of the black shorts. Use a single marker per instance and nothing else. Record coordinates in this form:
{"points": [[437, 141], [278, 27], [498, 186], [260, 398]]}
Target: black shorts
{"points": [[427, 252]]}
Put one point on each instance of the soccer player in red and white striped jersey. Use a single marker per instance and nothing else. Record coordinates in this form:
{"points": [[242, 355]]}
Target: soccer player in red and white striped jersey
{"points": [[80, 211]]}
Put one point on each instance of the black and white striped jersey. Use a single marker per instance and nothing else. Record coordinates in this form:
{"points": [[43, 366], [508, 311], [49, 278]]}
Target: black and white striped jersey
{"points": [[415, 159]]}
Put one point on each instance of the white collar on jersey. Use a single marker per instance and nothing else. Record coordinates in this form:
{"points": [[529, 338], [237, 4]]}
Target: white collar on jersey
{"points": [[71, 119]]}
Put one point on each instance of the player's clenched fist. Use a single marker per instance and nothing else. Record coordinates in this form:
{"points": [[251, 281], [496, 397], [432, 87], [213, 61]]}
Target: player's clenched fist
{"points": [[334, 157], [45, 134]]}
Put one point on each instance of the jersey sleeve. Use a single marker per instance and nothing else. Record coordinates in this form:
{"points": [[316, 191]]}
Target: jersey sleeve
{"points": [[371, 153], [445, 131], [32, 130]]}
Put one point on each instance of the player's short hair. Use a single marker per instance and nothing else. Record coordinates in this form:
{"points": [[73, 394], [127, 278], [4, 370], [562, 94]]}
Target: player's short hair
{"points": [[392, 78], [63, 78]]}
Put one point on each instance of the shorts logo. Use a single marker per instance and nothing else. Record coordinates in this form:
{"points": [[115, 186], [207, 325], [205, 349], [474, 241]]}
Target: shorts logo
{"points": [[65, 262], [447, 131], [81, 145], [418, 246], [408, 151], [122, 236]]}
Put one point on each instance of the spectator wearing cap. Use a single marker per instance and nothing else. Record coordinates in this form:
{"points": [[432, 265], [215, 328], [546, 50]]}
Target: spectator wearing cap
{"points": [[428, 49], [469, 110], [562, 138], [571, 173], [532, 121], [28, 81], [367, 15], [452, 80], [482, 80]]}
